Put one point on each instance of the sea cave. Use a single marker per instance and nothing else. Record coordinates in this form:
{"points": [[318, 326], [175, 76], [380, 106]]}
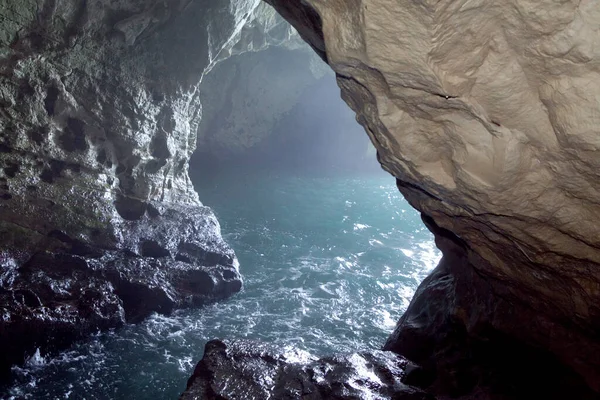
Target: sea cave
{"points": [[299, 199]]}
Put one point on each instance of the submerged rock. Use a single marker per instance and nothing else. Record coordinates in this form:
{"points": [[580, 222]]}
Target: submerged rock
{"points": [[244, 369]]}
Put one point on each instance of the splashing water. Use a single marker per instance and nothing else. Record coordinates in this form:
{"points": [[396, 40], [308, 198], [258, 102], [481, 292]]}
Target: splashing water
{"points": [[329, 263]]}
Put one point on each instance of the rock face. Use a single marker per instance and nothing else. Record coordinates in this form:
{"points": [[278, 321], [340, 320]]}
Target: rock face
{"points": [[486, 113], [272, 100], [246, 95], [276, 109], [99, 222], [243, 369], [60, 289]]}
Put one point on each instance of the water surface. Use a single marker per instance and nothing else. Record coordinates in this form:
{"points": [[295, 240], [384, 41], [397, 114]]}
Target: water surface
{"points": [[330, 264]]}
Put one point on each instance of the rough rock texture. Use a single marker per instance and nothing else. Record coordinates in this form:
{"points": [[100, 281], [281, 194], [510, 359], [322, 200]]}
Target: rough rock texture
{"points": [[487, 114], [59, 289], [245, 96], [243, 369], [99, 108]]}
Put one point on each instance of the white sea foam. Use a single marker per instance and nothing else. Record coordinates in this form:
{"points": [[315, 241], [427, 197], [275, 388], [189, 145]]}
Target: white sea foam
{"points": [[429, 255], [360, 227], [36, 360], [185, 364], [375, 242], [407, 253]]}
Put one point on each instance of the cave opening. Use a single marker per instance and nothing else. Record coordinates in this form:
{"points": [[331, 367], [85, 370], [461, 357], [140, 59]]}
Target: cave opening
{"points": [[114, 276], [330, 252], [278, 109]]}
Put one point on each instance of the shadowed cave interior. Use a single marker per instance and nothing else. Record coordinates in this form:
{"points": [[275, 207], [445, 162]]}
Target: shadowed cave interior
{"points": [[291, 118], [329, 251], [184, 194]]}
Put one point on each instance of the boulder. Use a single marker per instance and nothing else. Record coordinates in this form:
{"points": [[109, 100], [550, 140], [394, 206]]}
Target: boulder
{"points": [[244, 369], [60, 289]]}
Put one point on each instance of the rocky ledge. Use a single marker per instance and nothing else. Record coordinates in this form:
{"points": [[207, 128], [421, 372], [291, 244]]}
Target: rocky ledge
{"points": [[244, 369], [55, 288]]}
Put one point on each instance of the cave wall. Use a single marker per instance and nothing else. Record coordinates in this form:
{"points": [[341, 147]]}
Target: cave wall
{"points": [[99, 222], [256, 81], [486, 113], [276, 104], [277, 107], [78, 76], [246, 95]]}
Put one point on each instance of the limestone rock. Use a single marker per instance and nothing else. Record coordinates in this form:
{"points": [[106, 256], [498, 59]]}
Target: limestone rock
{"points": [[245, 96], [486, 112], [254, 84], [270, 96], [244, 369], [99, 221]]}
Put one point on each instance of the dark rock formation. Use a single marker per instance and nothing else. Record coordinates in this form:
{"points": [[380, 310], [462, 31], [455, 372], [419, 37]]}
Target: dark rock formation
{"points": [[55, 288], [461, 357], [99, 222], [243, 369]]}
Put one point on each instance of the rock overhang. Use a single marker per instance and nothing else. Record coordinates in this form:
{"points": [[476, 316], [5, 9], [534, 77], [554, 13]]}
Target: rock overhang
{"points": [[485, 119]]}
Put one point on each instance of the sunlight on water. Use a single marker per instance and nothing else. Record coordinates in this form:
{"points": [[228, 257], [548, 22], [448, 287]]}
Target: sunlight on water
{"points": [[330, 264]]}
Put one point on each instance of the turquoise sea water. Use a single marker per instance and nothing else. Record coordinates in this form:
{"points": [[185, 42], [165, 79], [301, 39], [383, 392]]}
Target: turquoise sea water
{"points": [[330, 264]]}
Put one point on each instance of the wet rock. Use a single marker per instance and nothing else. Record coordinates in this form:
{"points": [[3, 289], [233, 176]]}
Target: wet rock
{"points": [[49, 301], [50, 298], [243, 369], [462, 354], [99, 221]]}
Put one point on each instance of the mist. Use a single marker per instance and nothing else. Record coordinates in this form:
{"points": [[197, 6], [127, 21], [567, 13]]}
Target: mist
{"points": [[294, 119]]}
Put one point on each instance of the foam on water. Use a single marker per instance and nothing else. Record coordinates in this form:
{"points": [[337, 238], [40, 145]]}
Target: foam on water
{"points": [[330, 264]]}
